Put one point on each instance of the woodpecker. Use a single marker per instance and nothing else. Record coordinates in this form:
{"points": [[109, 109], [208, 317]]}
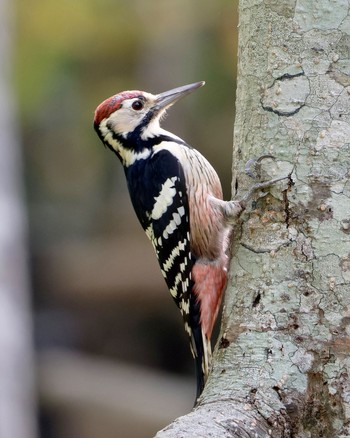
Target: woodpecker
{"points": [[177, 197]]}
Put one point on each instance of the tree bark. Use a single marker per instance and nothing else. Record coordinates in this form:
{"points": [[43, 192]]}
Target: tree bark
{"points": [[17, 410], [282, 362]]}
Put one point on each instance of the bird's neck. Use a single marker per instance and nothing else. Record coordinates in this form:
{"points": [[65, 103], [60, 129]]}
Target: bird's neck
{"points": [[138, 144]]}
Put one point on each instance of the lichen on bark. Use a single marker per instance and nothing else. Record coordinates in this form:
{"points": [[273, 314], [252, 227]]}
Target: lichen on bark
{"points": [[283, 355]]}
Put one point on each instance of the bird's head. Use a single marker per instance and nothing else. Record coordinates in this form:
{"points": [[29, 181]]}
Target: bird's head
{"points": [[128, 119]]}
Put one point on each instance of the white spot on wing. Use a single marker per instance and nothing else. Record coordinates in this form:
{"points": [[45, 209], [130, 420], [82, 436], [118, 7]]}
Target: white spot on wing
{"points": [[149, 232], [183, 265], [173, 224], [173, 290], [185, 306], [177, 218], [174, 253], [189, 331], [165, 198], [185, 284], [181, 210]]}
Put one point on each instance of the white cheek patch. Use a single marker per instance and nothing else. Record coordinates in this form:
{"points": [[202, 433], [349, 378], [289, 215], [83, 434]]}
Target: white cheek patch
{"points": [[125, 120]]}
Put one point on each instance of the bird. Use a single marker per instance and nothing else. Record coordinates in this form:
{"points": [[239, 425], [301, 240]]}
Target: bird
{"points": [[177, 197]]}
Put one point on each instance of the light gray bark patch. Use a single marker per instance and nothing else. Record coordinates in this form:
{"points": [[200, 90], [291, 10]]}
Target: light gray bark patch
{"points": [[219, 419], [287, 95], [343, 46], [320, 15], [282, 7], [340, 77]]}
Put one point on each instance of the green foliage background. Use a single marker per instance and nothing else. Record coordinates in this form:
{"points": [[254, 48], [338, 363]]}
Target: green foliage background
{"points": [[68, 57]]}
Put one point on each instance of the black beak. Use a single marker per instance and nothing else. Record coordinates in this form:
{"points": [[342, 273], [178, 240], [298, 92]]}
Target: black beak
{"points": [[168, 98]]}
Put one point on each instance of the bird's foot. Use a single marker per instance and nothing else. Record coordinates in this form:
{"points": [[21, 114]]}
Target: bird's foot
{"points": [[233, 209], [253, 166], [260, 186]]}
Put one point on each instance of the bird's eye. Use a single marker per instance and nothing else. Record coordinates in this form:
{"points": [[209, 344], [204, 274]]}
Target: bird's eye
{"points": [[137, 105]]}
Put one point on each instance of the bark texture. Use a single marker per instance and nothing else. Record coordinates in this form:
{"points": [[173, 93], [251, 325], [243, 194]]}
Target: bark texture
{"points": [[282, 362]]}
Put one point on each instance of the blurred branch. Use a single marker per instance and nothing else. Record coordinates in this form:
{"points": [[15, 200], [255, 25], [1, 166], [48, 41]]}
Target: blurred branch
{"points": [[102, 266], [133, 398], [16, 367]]}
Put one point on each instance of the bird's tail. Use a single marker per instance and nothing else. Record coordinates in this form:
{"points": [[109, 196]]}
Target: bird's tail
{"points": [[200, 347], [209, 281], [202, 361]]}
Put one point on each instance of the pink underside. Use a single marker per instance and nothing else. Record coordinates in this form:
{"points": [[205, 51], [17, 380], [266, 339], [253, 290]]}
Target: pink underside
{"points": [[209, 282]]}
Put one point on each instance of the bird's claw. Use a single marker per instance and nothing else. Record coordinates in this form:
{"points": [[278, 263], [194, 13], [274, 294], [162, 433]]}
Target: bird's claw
{"points": [[253, 166], [233, 209], [260, 186], [253, 169]]}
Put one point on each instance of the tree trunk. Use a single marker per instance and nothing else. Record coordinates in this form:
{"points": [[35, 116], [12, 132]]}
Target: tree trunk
{"points": [[17, 413], [282, 362]]}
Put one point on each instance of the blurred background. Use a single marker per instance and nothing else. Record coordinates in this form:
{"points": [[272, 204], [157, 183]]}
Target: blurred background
{"points": [[111, 356]]}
